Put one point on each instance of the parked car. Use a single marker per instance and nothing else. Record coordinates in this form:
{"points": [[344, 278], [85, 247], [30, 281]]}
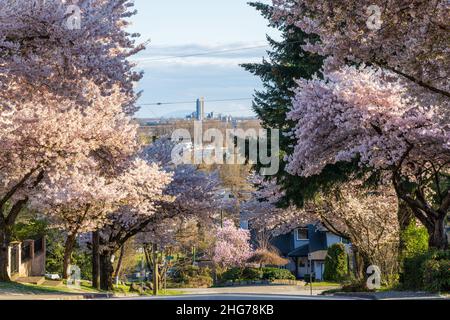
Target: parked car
{"points": [[52, 276]]}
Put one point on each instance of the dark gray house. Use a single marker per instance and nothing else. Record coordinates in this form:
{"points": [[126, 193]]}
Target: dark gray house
{"points": [[306, 248]]}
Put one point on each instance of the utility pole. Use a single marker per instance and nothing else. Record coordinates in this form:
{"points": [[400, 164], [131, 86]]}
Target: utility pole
{"points": [[310, 274], [155, 270], [95, 260]]}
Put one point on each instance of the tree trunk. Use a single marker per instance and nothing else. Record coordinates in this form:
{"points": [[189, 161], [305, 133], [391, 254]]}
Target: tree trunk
{"points": [[155, 270], [359, 264], [68, 249], [5, 239], [438, 236], [405, 215], [148, 260], [119, 264], [106, 271], [95, 260]]}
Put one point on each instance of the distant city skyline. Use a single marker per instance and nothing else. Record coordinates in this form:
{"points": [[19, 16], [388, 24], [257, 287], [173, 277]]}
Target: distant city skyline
{"points": [[224, 26]]}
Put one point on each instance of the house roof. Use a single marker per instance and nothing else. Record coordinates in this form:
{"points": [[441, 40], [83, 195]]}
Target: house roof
{"points": [[283, 243], [301, 251], [318, 255]]}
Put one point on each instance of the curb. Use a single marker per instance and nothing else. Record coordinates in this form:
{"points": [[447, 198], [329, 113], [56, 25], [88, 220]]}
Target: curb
{"points": [[391, 296]]}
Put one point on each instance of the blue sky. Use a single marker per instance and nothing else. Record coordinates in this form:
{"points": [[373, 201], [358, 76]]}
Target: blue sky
{"points": [[180, 27]]}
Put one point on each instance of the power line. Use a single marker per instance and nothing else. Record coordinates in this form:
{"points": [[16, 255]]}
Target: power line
{"points": [[192, 101], [216, 52], [206, 53]]}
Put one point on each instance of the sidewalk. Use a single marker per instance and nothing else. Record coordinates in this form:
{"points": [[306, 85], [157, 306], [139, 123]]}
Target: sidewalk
{"points": [[393, 295], [42, 297]]}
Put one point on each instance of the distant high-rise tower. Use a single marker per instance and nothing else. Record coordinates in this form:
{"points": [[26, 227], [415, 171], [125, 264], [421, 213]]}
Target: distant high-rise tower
{"points": [[201, 109]]}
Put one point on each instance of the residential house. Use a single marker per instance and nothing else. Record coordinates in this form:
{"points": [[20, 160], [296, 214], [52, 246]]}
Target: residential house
{"points": [[306, 248]]}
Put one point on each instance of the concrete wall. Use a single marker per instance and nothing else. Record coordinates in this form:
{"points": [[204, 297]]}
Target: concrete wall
{"points": [[34, 266]]}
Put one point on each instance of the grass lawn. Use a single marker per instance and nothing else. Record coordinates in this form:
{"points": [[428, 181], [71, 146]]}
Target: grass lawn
{"points": [[7, 288], [324, 284], [14, 288], [124, 289]]}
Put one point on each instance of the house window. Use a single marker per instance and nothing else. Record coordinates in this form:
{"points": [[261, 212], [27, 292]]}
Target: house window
{"points": [[301, 263], [302, 234]]}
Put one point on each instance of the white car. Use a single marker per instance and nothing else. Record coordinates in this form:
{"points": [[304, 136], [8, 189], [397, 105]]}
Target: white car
{"points": [[52, 276]]}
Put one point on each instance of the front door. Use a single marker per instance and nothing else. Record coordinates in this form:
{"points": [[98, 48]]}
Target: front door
{"points": [[302, 267]]}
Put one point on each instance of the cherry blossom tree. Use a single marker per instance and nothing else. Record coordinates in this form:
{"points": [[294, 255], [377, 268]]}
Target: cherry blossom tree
{"points": [[42, 53], [354, 113], [407, 37], [232, 248], [66, 96], [190, 194], [143, 186], [77, 203], [366, 217], [44, 139]]}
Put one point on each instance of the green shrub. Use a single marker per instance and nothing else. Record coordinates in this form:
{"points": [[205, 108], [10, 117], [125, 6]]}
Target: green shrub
{"points": [[336, 263], [277, 274], [415, 240], [200, 281], [437, 275], [232, 274], [427, 271], [252, 274], [191, 277]]}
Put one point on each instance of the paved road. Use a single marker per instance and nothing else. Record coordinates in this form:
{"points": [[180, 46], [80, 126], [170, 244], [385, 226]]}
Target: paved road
{"points": [[241, 297], [269, 292], [291, 290]]}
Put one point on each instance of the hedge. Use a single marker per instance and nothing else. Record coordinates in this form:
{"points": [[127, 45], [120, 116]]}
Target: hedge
{"points": [[427, 271], [253, 274], [336, 263], [277, 274]]}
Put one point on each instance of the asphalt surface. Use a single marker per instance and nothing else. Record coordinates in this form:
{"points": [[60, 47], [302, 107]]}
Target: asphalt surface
{"points": [[241, 297]]}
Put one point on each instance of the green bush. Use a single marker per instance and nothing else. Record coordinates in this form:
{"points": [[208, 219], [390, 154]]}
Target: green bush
{"points": [[200, 281], [336, 263], [437, 275], [277, 274], [252, 274], [415, 240], [232, 274], [190, 276], [427, 271]]}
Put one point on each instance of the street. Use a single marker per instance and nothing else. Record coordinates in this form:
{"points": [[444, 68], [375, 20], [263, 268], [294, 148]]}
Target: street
{"points": [[241, 297]]}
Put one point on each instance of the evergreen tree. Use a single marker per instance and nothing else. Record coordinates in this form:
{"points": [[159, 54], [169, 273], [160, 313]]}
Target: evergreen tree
{"points": [[288, 62]]}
